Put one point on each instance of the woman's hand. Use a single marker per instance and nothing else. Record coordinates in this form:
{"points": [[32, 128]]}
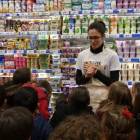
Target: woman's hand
{"points": [[86, 66], [91, 71]]}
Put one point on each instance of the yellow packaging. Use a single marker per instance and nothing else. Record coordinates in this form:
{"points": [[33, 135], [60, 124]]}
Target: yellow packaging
{"points": [[47, 6], [51, 6], [5, 7]]}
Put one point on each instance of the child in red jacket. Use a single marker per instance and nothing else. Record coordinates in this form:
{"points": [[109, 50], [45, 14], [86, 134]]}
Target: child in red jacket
{"points": [[23, 76]]}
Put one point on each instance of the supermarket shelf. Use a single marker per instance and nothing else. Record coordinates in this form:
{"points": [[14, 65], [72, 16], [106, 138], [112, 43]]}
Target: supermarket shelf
{"points": [[130, 83], [136, 35], [30, 33], [69, 82], [120, 59], [54, 13], [33, 71], [2, 52]]}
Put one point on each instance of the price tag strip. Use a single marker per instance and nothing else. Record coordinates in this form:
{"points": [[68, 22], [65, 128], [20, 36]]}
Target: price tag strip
{"points": [[74, 12], [41, 71], [10, 51], [2, 52], [42, 51], [86, 12], [126, 59], [30, 51], [20, 51]]}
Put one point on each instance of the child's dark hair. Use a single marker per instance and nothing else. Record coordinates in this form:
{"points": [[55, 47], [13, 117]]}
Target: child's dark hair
{"points": [[2, 95], [117, 125], [26, 97], [81, 127], [22, 75], [79, 98], [136, 104], [16, 124], [46, 85], [99, 26], [62, 99], [10, 92]]}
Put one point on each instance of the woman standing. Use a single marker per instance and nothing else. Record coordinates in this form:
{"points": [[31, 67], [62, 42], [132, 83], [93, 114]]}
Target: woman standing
{"points": [[98, 66]]}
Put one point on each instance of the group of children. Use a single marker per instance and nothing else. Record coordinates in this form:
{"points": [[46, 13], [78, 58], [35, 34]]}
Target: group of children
{"points": [[24, 113]]}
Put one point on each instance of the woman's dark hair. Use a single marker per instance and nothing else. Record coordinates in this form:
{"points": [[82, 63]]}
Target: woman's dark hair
{"points": [[99, 26], [26, 97], [22, 75], [2, 95], [16, 124], [79, 98]]}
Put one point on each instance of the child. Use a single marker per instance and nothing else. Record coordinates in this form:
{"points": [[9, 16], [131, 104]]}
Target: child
{"points": [[23, 76], [16, 124], [118, 123], [46, 87], [119, 94], [78, 102], [136, 107], [63, 99], [82, 127], [28, 97], [2, 99]]}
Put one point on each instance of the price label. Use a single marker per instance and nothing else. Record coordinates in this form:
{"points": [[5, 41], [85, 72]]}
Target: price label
{"points": [[116, 36], [54, 51], [57, 71], [126, 59], [128, 35], [123, 11], [74, 12], [42, 51], [30, 14], [84, 36], [23, 33], [72, 82], [42, 75], [2, 15], [86, 12], [23, 14], [41, 71], [54, 13], [98, 11], [136, 10], [71, 36], [1, 33], [46, 13], [63, 36], [53, 32], [107, 35], [65, 82], [38, 13], [14, 14], [109, 11], [65, 12], [77, 36], [7, 33], [30, 51], [10, 51], [64, 59], [20, 51], [6, 71], [2, 52]]}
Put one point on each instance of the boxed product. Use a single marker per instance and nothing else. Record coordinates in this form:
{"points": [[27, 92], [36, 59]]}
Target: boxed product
{"points": [[5, 6], [11, 6], [17, 6], [76, 7], [77, 30], [39, 7], [66, 6], [87, 6], [84, 30]]}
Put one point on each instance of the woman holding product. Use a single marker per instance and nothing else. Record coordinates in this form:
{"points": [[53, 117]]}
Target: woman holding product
{"points": [[98, 66]]}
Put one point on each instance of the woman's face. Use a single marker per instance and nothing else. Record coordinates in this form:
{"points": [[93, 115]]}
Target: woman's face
{"points": [[95, 38]]}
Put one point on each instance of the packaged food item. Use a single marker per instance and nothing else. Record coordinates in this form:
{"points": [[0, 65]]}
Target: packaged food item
{"points": [[43, 42], [71, 29], [1, 6], [36, 25], [5, 6], [76, 7], [24, 6], [77, 30], [113, 29], [30, 6], [17, 6], [84, 30], [11, 6], [66, 6], [10, 44]]}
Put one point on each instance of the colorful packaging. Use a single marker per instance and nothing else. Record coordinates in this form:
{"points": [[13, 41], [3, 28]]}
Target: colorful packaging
{"points": [[17, 6], [11, 6], [78, 30], [30, 6], [77, 20], [87, 6], [71, 29], [84, 20], [1, 7], [66, 6], [84, 30], [76, 7], [5, 6], [113, 29], [65, 30]]}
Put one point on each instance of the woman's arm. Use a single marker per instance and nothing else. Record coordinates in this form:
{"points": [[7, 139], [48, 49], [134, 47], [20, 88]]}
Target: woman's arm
{"points": [[114, 76], [80, 79]]}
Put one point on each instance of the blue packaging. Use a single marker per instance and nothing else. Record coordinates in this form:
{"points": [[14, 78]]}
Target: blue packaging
{"points": [[95, 6], [71, 21], [76, 7], [107, 5]]}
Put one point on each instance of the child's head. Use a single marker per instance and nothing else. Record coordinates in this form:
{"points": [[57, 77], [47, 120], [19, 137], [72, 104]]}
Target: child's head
{"points": [[82, 127], [46, 85], [119, 93], [62, 99], [2, 95], [16, 124], [136, 99], [22, 75], [26, 97], [118, 123], [10, 92], [79, 98]]}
